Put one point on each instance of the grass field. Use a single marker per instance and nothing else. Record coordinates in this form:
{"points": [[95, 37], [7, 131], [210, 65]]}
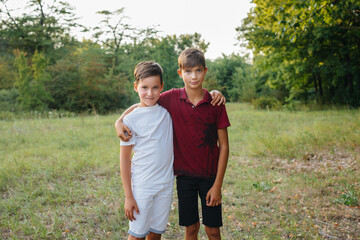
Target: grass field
{"points": [[291, 175]]}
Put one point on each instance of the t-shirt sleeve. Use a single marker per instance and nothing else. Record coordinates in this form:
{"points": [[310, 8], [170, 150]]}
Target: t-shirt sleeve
{"points": [[165, 99], [222, 120], [132, 140]]}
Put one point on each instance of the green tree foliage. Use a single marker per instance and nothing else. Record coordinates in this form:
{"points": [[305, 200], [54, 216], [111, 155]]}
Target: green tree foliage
{"points": [[8, 100], [112, 32], [31, 81], [51, 70], [81, 82], [232, 76], [7, 72], [43, 25], [307, 49]]}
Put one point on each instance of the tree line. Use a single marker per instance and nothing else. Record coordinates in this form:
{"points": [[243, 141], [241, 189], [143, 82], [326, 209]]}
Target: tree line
{"points": [[43, 66], [303, 51]]}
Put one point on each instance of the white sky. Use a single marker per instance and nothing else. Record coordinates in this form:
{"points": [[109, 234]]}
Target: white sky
{"points": [[214, 20]]}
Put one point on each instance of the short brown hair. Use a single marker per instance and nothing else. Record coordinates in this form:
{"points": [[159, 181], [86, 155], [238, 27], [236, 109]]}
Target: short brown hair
{"points": [[148, 69], [191, 57]]}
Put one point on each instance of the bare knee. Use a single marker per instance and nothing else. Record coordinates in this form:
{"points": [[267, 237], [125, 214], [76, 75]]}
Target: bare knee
{"points": [[131, 237], [213, 233], [153, 236], [191, 231]]}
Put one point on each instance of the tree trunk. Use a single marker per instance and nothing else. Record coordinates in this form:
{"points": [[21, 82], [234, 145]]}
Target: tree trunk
{"points": [[315, 84], [349, 84], [318, 77]]}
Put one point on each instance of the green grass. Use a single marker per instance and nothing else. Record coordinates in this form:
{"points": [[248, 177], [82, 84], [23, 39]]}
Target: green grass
{"points": [[350, 197], [291, 175]]}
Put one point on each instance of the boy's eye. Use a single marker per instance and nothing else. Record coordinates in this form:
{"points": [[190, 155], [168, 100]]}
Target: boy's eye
{"points": [[199, 70]]}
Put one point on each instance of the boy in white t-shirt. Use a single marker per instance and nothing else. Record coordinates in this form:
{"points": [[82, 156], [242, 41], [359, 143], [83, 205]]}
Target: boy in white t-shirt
{"points": [[148, 176]]}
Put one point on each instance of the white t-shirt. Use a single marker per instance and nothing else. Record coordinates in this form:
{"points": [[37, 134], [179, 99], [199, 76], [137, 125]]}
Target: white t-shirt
{"points": [[152, 140]]}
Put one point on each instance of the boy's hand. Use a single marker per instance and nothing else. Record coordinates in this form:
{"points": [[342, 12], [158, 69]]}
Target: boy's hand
{"points": [[130, 206], [123, 131], [217, 98], [213, 197]]}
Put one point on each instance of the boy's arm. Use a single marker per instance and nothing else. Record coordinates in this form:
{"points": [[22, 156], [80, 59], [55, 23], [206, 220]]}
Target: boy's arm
{"points": [[213, 197], [217, 98], [125, 169], [122, 130]]}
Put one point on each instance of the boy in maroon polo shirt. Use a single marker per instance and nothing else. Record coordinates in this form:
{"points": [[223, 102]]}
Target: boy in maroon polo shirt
{"points": [[199, 162]]}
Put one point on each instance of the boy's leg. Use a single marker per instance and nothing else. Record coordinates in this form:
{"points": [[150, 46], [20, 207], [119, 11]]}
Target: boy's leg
{"points": [[153, 236], [213, 233], [131, 237], [161, 211], [192, 231], [212, 217], [140, 228], [187, 191]]}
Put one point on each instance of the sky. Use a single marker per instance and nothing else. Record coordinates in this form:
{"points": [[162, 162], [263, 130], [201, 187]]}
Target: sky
{"points": [[214, 20]]}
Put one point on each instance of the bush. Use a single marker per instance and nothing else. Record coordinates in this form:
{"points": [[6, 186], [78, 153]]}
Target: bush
{"points": [[270, 103], [8, 99], [7, 116]]}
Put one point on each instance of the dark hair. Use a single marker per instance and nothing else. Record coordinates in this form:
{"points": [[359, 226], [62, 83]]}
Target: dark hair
{"points": [[148, 69], [191, 57]]}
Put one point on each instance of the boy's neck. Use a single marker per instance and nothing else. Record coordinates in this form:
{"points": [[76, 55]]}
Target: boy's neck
{"points": [[195, 95]]}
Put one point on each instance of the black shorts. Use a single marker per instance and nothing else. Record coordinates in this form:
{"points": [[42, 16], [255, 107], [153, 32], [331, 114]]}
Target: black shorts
{"points": [[188, 189]]}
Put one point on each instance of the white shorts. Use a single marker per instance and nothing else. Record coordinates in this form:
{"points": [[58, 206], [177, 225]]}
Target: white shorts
{"points": [[154, 205]]}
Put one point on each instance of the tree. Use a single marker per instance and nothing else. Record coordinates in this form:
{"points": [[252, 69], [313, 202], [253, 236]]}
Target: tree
{"points": [[31, 82], [45, 26], [311, 47], [112, 32], [231, 72], [81, 81], [7, 73]]}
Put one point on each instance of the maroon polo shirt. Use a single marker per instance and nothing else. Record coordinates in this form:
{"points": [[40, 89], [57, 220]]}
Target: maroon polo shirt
{"points": [[196, 150]]}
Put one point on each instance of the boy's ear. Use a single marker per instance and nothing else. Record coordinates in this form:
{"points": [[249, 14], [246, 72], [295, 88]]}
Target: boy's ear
{"points": [[135, 87], [179, 72]]}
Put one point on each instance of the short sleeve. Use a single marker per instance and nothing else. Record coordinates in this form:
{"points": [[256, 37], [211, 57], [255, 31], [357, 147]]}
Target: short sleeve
{"points": [[165, 99], [132, 140], [222, 120]]}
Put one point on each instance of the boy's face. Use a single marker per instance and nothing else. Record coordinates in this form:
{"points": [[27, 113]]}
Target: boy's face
{"points": [[193, 77], [149, 90]]}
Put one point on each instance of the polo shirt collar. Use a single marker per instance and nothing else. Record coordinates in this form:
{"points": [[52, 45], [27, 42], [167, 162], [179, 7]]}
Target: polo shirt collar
{"points": [[207, 97], [183, 93]]}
